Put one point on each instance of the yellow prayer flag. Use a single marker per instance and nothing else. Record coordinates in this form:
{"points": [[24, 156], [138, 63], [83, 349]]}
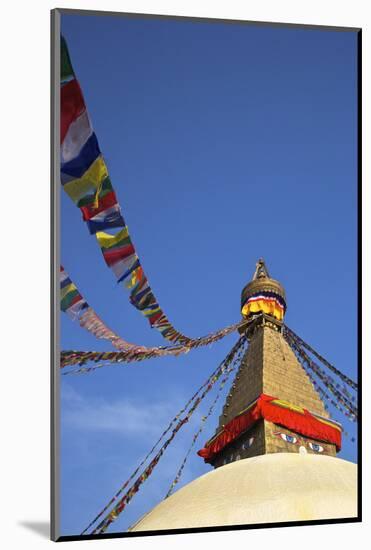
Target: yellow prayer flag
{"points": [[67, 289], [107, 241], [149, 312], [90, 181], [135, 277]]}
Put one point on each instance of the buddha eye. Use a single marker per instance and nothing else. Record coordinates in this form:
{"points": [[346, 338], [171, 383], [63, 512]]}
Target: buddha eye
{"points": [[286, 437], [315, 447]]}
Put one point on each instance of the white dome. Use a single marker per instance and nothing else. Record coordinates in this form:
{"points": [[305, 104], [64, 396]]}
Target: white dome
{"points": [[264, 489]]}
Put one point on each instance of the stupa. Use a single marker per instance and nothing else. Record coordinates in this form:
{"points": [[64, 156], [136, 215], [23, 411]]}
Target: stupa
{"points": [[274, 450]]}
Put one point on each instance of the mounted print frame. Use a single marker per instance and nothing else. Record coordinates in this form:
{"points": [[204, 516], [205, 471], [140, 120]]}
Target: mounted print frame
{"points": [[206, 185]]}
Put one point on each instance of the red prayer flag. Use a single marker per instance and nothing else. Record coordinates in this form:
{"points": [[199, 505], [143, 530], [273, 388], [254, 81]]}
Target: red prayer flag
{"points": [[153, 318], [114, 256], [72, 105], [105, 202]]}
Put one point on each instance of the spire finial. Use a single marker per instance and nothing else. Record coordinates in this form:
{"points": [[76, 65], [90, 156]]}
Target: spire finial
{"points": [[261, 270]]}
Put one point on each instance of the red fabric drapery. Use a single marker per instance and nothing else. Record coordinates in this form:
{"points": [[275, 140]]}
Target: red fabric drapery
{"points": [[268, 407]]}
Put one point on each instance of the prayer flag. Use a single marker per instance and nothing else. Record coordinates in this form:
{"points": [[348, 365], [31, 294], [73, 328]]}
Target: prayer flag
{"points": [[123, 268], [152, 318], [107, 219], [70, 299], [74, 310], [106, 240], [117, 254], [91, 180], [66, 65], [72, 105], [134, 264], [135, 277], [78, 134], [107, 201], [78, 165], [90, 199], [85, 179]]}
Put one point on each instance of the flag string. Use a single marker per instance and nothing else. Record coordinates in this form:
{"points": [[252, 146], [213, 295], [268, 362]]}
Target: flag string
{"points": [[204, 420], [85, 179], [194, 402], [336, 371], [322, 375], [75, 305]]}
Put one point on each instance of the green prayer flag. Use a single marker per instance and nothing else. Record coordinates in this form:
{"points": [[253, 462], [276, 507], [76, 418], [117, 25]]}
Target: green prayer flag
{"points": [[66, 65]]}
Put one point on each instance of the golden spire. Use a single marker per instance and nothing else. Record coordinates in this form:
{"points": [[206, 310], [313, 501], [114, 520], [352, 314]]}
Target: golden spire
{"points": [[261, 270]]}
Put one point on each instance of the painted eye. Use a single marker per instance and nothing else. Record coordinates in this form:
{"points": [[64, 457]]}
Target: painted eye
{"points": [[288, 438], [315, 447]]}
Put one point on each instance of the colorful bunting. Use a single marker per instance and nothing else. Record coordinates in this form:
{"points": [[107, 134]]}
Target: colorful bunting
{"points": [[72, 302], [327, 380], [235, 364], [326, 398], [130, 352], [76, 306], [342, 376], [342, 400], [212, 379], [126, 498], [84, 177]]}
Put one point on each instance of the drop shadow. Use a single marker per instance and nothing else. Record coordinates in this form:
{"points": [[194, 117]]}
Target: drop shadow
{"points": [[42, 528]]}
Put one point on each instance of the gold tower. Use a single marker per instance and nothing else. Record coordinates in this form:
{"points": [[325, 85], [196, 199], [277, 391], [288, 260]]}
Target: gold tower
{"points": [[268, 367]]}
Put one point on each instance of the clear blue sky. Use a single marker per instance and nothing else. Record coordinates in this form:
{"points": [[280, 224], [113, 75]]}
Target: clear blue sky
{"points": [[224, 143]]}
